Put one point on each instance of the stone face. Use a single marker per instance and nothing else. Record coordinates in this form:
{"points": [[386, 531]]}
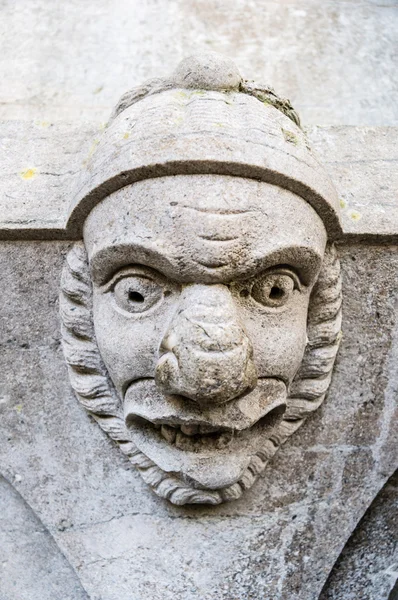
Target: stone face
{"points": [[201, 317], [282, 539]]}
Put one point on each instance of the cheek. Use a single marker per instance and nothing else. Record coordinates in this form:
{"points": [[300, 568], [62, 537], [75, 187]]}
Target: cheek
{"points": [[128, 345], [278, 339]]}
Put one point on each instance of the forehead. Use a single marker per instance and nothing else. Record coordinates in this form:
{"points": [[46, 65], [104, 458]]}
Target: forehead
{"points": [[207, 227]]}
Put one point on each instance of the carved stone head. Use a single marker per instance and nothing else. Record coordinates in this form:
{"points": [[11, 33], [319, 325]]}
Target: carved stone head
{"points": [[201, 313]]}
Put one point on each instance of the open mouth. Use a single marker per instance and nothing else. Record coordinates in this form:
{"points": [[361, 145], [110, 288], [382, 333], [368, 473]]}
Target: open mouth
{"points": [[191, 438], [180, 424], [204, 437], [207, 447]]}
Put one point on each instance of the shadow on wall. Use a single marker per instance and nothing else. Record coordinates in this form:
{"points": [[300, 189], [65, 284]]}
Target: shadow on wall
{"points": [[394, 592], [368, 564]]}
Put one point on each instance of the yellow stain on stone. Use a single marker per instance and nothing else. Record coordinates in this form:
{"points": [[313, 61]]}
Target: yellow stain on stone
{"points": [[181, 95], [289, 136], [18, 408], [28, 173], [355, 215], [178, 121], [126, 135], [92, 150], [343, 203]]}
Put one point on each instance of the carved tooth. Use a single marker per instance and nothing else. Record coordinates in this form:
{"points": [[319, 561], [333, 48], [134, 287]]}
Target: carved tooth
{"points": [[183, 442], [169, 433], [190, 429]]}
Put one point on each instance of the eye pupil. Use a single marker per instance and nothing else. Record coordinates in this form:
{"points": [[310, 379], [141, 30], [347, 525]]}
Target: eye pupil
{"points": [[276, 293], [136, 297]]}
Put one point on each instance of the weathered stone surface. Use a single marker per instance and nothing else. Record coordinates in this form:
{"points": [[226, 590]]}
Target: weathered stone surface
{"points": [[362, 163], [282, 540], [42, 162], [336, 61]]}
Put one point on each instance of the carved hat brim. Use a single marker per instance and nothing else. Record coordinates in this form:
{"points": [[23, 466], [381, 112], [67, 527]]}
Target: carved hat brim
{"points": [[185, 131]]}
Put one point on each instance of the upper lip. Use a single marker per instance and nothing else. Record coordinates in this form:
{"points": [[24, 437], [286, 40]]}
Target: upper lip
{"points": [[144, 401]]}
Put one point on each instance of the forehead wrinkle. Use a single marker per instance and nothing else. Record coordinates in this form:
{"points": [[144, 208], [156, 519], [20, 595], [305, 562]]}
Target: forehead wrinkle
{"points": [[213, 211], [234, 232], [211, 239], [207, 226]]}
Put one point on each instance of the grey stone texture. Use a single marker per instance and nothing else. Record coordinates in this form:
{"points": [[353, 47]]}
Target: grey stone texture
{"points": [[72, 60], [280, 540], [204, 118]]}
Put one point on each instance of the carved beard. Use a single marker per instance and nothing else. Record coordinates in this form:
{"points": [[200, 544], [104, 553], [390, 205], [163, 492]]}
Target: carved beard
{"points": [[95, 391]]}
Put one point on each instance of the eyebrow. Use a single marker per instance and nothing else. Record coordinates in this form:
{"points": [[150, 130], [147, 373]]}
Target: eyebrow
{"points": [[107, 261]]}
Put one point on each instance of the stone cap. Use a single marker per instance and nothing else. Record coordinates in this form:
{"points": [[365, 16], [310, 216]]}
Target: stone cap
{"points": [[204, 119]]}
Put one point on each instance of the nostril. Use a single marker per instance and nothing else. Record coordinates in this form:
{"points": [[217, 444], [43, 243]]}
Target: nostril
{"points": [[190, 403]]}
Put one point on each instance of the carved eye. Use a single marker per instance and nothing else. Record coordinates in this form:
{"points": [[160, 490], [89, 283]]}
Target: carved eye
{"points": [[137, 293], [275, 289]]}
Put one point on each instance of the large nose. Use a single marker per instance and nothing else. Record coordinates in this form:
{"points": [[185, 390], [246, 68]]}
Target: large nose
{"points": [[205, 354]]}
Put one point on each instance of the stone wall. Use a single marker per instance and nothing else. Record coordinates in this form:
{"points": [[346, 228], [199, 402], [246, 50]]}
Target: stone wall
{"points": [[76, 519]]}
